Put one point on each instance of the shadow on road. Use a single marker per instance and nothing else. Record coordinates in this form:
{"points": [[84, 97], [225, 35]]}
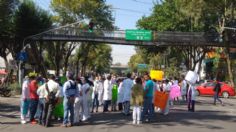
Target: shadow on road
{"points": [[177, 116]]}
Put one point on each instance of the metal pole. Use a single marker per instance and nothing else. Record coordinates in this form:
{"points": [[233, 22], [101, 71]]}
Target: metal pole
{"points": [[20, 73]]}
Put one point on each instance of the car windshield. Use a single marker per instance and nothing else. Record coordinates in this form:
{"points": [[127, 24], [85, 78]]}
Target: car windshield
{"points": [[210, 84]]}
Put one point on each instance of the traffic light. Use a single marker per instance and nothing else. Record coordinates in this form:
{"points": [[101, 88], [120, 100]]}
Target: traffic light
{"points": [[91, 25]]}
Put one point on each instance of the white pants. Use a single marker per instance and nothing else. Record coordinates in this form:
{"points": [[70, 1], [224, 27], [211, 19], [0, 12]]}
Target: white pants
{"points": [[86, 113], [78, 108], [100, 98], [137, 113]]}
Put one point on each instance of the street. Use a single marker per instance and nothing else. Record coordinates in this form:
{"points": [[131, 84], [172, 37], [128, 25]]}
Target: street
{"points": [[207, 117]]}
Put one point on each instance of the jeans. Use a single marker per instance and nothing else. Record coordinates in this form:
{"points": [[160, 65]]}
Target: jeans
{"points": [[47, 113], [68, 104], [137, 113], [41, 109], [147, 108], [126, 107], [106, 105], [33, 108], [95, 102], [216, 97]]}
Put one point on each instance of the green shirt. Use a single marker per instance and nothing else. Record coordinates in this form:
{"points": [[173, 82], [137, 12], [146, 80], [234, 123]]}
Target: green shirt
{"points": [[114, 92]]}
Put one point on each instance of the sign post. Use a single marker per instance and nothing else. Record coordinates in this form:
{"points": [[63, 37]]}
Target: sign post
{"points": [[138, 35]]}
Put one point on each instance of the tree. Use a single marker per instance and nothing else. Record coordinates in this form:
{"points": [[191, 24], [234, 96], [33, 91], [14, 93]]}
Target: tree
{"points": [[223, 10], [7, 8], [169, 16], [80, 10], [98, 61], [30, 20], [134, 61]]}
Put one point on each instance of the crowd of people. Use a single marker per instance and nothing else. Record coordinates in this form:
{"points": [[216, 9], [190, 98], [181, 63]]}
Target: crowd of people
{"points": [[73, 100]]}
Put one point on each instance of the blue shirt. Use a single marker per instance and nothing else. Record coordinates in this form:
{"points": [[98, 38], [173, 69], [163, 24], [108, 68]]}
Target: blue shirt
{"points": [[69, 90], [149, 88]]}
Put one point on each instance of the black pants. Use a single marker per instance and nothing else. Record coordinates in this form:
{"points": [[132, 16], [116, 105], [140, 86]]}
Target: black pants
{"points": [[191, 105], [106, 105], [47, 113], [33, 108], [95, 102], [120, 106]]}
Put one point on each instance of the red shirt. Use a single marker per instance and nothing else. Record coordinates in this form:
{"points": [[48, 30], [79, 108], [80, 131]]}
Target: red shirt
{"points": [[33, 89]]}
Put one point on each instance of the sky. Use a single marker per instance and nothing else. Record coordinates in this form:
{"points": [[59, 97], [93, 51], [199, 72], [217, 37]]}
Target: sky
{"points": [[126, 14]]}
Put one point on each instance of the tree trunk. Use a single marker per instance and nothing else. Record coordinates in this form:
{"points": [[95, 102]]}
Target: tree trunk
{"points": [[230, 73]]}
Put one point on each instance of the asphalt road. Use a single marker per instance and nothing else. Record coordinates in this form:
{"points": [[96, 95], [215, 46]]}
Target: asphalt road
{"points": [[207, 118]]}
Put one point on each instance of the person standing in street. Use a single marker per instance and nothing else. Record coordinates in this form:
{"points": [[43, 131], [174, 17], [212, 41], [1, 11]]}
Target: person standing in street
{"points": [[166, 89], [114, 97], [137, 100], [127, 86], [25, 100], [78, 106], [85, 88], [70, 91], [95, 93], [100, 90], [120, 95], [217, 90], [42, 100], [107, 95], [34, 99], [191, 98], [148, 96], [52, 89], [184, 89]]}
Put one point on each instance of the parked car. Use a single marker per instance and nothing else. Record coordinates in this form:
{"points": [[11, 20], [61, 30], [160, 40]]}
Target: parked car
{"points": [[207, 89]]}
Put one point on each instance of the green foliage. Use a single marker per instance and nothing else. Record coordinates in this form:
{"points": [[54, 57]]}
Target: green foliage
{"points": [[134, 61], [15, 87], [80, 10], [7, 8], [29, 20], [94, 57]]}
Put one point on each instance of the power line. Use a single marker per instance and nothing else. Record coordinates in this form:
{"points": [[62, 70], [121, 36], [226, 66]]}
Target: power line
{"points": [[142, 2], [129, 10]]}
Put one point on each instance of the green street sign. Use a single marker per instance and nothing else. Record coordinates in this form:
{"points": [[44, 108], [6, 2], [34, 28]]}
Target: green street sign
{"points": [[143, 35], [142, 66]]}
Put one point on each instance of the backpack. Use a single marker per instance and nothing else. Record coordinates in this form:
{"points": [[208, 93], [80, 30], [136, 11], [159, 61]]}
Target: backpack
{"points": [[71, 89], [51, 96]]}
